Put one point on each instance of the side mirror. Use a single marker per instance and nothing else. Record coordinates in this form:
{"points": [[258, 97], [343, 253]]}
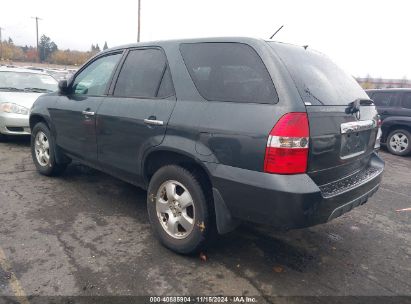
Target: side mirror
{"points": [[63, 87]]}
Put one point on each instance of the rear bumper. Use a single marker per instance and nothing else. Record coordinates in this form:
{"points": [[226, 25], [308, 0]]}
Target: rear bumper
{"points": [[14, 124], [291, 201]]}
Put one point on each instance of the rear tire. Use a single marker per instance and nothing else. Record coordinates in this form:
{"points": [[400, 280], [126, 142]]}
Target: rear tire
{"points": [[43, 151], [179, 210], [399, 142]]}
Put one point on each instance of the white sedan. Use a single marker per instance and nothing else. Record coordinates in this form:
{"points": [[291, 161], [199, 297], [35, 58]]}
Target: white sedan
{"points": [[19, 89]]}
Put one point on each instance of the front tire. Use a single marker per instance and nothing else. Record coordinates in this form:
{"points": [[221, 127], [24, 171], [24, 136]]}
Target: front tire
{"points": [[43, 151], [179, 210], [399, 142]]}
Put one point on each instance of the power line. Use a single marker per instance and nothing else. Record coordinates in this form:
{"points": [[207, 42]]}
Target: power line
{"points": [[37, 34]]}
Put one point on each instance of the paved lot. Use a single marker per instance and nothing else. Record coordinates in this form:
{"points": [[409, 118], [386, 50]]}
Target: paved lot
{"points": [[86, 233]]}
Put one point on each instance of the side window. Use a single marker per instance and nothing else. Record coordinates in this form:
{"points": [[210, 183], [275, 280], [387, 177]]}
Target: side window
{"points": [[385, 99], [145, 75], [94, 78], [406, 101], [228, 72], [166, 88]]}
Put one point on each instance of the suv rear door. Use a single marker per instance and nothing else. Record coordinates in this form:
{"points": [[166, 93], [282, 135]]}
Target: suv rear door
{"points": [[387, 102], [134, 116], [406, 104], [341, 141]]}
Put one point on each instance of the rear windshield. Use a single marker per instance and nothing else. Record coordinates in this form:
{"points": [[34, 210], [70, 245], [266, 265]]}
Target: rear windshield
{"points": [[319, 80], [228, 72]]}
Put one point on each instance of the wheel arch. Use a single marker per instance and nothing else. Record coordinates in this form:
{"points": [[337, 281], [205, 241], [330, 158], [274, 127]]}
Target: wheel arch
{"points": [[37, 118], [158, 158], [161, 157], [392, 123], [397, 126]]}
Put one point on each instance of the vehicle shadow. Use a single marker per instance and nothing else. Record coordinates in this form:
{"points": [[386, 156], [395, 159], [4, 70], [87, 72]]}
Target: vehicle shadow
{"points": [[248, 245], [22, 141]]}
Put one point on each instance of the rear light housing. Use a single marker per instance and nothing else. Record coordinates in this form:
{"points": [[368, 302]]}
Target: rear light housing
{"points": [[287, 145]]}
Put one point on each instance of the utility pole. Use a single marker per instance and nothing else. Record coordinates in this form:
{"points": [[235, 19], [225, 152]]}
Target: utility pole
{"points": [[139, 14], [37, 35], [1, 44]]}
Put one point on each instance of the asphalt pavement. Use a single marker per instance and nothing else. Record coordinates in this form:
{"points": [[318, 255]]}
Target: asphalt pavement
{"points": [[86, 233]]}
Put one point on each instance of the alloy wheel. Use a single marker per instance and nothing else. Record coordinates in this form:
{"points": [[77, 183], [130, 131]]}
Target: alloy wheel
{"points": [[175, 209], [42, 149], [399, 142]]}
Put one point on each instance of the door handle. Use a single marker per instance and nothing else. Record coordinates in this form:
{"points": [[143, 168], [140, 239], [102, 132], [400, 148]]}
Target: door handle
{"points": [[88, 113], [153, 122]]}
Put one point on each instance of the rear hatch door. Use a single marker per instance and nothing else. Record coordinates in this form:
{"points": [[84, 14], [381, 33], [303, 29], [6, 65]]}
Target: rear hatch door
{"points": [[342, 118]]}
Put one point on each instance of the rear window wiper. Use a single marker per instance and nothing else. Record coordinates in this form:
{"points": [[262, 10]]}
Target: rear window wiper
{"points": [[11, 89], [40, 90]]}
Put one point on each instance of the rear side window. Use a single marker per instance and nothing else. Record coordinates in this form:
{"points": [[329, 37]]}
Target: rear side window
{"points": [[228, 72], [385, 99], [406, 101], [144, 74]]}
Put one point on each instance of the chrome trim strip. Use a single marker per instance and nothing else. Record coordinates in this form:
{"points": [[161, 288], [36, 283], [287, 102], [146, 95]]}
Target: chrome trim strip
{"points": [[357, 126]]}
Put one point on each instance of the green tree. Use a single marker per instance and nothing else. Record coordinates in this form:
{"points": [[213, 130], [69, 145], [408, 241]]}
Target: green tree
{"points": [[105, 47], [97, 48], [46, 47]]}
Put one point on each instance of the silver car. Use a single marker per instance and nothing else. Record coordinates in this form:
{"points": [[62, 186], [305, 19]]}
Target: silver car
{"points": [[19, 89]]}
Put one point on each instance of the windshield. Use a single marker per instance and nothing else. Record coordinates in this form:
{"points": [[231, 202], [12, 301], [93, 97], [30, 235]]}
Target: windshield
{"points": [[319, 80], [26, 81]]}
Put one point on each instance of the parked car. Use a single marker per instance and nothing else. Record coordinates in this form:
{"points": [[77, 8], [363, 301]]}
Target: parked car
{"points": [[394, 107], [218, 131], [59, 74], [19, 88]]}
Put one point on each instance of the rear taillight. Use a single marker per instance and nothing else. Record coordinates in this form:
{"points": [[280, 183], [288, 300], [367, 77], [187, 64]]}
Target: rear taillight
{"points": [[287, 145]]}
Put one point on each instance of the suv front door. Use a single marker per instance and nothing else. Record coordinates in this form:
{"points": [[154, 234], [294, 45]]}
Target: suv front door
{"points": [[134, 116], [74, 113]]}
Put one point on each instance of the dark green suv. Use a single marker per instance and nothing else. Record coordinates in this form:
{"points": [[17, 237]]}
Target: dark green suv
{"points": [[218, 131]]}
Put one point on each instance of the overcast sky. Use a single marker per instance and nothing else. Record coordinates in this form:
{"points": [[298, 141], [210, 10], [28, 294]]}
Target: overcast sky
{"points": [[362, 36]]}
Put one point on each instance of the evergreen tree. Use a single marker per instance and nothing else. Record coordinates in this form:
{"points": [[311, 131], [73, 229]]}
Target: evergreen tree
{"points": [[46, 47], [105, 47]]}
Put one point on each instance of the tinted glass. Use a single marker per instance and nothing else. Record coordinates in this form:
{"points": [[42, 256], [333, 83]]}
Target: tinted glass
{"points": [[25, 81], [166, 87], [385, 99], [142, 74], [319, 80], [406, 101], [94, 78], [228, 72]]}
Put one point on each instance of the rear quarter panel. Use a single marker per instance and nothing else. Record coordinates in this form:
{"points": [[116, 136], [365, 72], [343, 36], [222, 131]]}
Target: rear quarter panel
{"points": [[229, 133]]}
